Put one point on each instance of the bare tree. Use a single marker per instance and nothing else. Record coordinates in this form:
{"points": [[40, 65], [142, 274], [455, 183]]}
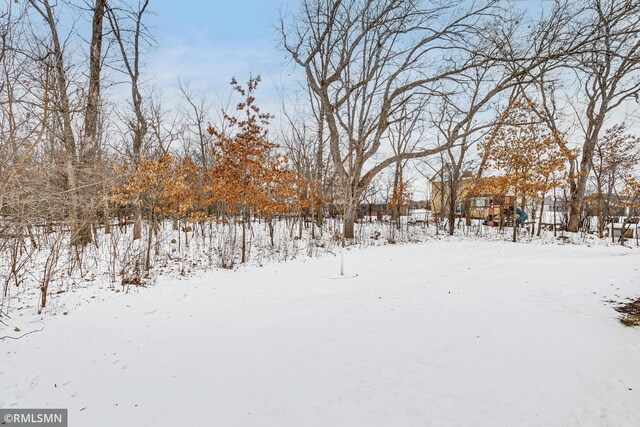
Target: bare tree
{"points": [[90, 169], [130, 41], [302, 133], [403, 137], [616, 154], [608, 74], [90, 145], [165, 127], [85, 151], [195, 115], [368, 63], [20, 130]]}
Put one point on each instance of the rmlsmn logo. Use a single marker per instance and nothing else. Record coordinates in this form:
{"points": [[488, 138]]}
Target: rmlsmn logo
{"points": [[34, 417]]}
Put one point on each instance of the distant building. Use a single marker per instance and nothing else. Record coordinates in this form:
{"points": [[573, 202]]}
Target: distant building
{"points": [[418, 204], [441, 196], [477, 206]]}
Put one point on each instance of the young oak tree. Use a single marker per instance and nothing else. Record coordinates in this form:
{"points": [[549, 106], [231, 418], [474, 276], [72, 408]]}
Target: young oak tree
{"points": [[165, 186], [525, 154], [249, 176]]}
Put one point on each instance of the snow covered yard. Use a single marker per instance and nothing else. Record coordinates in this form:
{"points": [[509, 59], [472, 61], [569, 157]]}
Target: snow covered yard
{"points": [[443, 334]]}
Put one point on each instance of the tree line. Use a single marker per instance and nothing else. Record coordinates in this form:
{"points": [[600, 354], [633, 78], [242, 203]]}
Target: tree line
{"points": [[541, 98]]}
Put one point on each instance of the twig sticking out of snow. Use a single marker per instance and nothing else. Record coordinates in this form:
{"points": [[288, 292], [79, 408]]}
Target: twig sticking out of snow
{"points": [[23, 335]]}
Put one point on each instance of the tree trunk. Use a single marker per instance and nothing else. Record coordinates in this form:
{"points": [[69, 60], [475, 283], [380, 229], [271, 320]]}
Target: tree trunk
{"points": [[451, 219], [105, 216], [271, 231], [467, 212], [89, 147], [541, 215], [453, 200], [349, 220], [522, 208], [555, 210], [43, 294], [84, 227], [396, 196], [79, 235], [319, 214], [301, 219], [577, 200], [244, 240], [319, 170], [600, 218], [452, 213], [137, 219], [152, 224], [577, 196], [533, 219], [515, 226]]}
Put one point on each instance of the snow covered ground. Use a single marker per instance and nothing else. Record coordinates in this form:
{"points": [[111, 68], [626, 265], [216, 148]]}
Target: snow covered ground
{"points": [[469, 333]]}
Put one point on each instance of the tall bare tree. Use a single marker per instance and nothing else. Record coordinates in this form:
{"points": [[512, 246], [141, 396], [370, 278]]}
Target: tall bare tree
{"points": [[78, 155], [608, 72], [195, 115], [368, 63], [130, 40]]}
